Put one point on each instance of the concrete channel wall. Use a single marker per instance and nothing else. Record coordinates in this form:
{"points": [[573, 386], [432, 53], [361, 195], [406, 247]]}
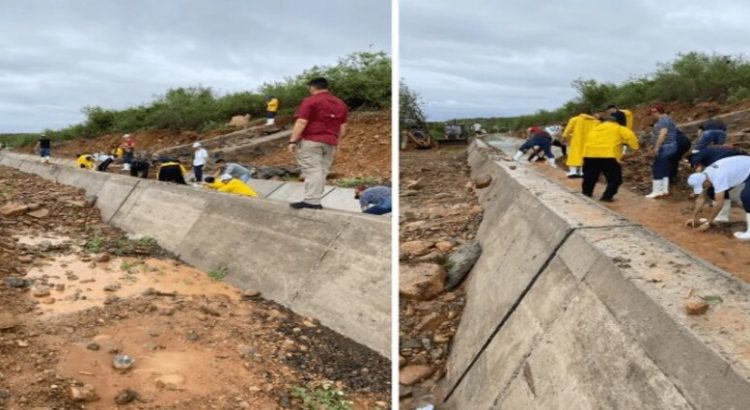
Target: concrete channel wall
{"points": [[330, 265], [572, 306]]}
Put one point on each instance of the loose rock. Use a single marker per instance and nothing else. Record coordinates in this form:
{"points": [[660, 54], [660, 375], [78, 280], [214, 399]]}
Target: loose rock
{"points": [[461, 261], [422, 281], [413, 374]]}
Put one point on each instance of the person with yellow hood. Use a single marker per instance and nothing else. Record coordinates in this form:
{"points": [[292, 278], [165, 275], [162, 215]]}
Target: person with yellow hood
{"points": [[85, 161], [231, 185], [602, 152], [575, 133], [272, 106]]}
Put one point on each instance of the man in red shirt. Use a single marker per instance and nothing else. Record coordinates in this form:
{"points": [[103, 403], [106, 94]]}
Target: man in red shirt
{"points": [[128, 147], [320, 121]]}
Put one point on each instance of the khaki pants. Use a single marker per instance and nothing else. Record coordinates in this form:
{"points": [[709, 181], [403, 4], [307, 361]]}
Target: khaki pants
{"points": [[315, 160]]}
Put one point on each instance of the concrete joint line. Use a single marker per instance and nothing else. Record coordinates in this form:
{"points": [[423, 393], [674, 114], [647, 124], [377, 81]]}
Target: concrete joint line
{"points": [[275, 189], [512, 310], [109, 221]]}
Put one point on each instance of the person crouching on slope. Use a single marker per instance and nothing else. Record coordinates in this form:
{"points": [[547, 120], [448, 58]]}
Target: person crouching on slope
{"points": [[700, 160], [543, 141], [171, 171], [231, 185], [722, 176], [374, 200], [85, 161], [602, 152]]}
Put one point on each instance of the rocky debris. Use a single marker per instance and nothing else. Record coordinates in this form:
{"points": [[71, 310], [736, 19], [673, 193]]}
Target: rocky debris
{"points": [[90, 201], [85, 393], [250, 294], [415, 248], [414, 185], [8, 321], [93, 346], [122, 362], [4, 395], [12, 209], [461, 261], [421, 281], [126, 396], [39, 291], [482, 181], [112, 288], [103, 258], [40, 214], [15, 282], [696, 306], [413, 374]]}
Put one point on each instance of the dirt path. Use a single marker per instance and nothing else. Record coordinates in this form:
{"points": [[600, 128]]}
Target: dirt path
{"points": [[438, 214], [74, 293]]}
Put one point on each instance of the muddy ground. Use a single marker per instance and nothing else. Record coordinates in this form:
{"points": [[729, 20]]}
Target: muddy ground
{"points": [[439, 213], [75, 293]]}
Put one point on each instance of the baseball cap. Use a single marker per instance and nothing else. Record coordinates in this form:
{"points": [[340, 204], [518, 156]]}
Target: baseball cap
{"points": [[196, 144], [657, 108], [696, 181]]}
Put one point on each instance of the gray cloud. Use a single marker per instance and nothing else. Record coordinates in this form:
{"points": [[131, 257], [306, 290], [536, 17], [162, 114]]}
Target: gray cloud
{"points": [[485, 58], [58, 56]]}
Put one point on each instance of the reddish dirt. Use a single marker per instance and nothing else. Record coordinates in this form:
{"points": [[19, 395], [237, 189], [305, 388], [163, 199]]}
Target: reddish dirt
{"points": [[667, 216], [197, 342], [436, 207], [365, 151]]}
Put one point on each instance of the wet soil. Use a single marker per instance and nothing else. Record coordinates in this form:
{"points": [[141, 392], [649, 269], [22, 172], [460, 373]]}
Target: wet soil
{"points": [[75, 292]]}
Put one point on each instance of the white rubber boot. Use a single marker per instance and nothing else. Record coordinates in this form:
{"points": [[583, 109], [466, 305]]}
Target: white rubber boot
{"points": [[665, 185], [551, 162], [657, 189], [744, 236], [518, 156], [723, 215], [126, 167], [572, 172]]}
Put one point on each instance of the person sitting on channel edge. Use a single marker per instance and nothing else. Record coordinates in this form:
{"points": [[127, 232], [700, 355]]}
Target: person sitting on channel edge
{"points": [[375, 200], [711, 132], [231, 185], [602, 152], [722, 175], [171, 170], [85, 161], [233, 169], [320, 123], [45, 147]]}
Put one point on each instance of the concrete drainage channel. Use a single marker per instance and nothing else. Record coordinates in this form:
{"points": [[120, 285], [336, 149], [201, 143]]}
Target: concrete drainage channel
{"points": [[571, 303], [330, 265]]}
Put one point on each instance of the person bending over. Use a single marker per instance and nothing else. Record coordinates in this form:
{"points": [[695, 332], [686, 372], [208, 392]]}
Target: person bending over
{"points": [[374, 200], [171, 170], [85, 161], [230, 185], [540, 140]]}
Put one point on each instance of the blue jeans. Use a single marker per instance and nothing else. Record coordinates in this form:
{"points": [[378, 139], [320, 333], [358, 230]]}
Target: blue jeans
{"points": [[128, 157], [711, 137], [44, 152], [662, 165], [198, 172], [378, 210], [542, 142], [745, 196]]}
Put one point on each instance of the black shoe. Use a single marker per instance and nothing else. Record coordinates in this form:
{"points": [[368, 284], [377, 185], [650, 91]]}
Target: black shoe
{"points": [[303, 204], [603, 199]]}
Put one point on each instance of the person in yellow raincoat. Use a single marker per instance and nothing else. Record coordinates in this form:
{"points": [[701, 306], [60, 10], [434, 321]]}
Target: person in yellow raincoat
{"points": [[602, 152], [272, 106], [85, 161], [231, 185], [575, 133], [624, 117]]}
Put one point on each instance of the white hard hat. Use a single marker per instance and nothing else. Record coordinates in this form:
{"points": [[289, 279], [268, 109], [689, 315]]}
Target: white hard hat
{"points": [[196, 145], [126, 136], [696, 182]]}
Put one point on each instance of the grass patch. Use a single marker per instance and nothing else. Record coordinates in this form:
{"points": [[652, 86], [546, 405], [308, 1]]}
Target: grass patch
{"points": [[322, 397], [95, 244], [127, 266], [218, 273], [357, 181]]}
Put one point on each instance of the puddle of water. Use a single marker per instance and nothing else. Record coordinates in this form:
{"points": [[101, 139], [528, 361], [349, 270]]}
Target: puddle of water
{"points": [[77, 285]]}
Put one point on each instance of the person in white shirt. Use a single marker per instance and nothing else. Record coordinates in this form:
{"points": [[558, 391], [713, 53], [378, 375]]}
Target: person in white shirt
{"points": [[199, 161], [722, 175]]}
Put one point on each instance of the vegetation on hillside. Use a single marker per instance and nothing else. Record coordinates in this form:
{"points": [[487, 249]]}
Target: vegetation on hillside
{"points": [[362, 80], [690, 78]]}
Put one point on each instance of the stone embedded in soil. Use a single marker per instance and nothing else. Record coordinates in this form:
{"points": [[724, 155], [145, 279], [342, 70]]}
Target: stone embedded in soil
{"points": [[422, 281], [93, 346], [14, 282], [461, 261], [126, 396], [414, 185], [122, 362], [40, 291], [250, 294], [13, 209], [103, 258], [696, 306], [26, 259], [85, 393], [482, 181], [415, 373], [431, 322], [415, 248], [40, 214], [444, 246]]}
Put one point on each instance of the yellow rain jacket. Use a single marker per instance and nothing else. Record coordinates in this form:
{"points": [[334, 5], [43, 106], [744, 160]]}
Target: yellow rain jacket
{"points": [[272, 105], [171, 163], [575, 133], [85, 161], [606, 141], [628, 119], [118, 152], [234, 186]]}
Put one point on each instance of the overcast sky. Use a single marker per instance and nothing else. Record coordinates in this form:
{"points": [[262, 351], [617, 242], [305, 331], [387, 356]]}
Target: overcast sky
{"points": [[486, 58], [58, 56]]}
